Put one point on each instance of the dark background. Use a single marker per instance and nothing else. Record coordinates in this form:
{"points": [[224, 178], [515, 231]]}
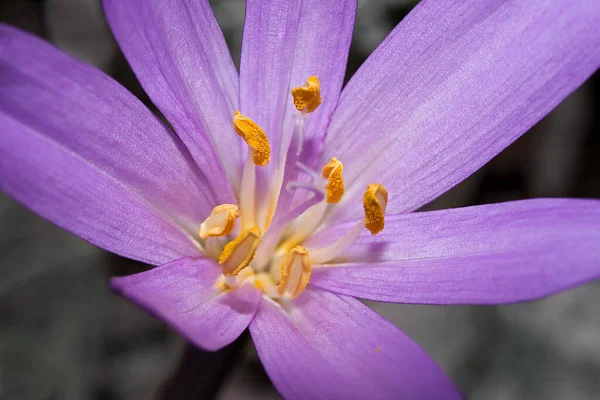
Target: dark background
{"points": [[63, 335]]}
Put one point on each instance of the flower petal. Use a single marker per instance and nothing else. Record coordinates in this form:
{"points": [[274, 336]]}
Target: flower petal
{"points": [[178, 53], [183, 293], [327, 346], [491, 254], [81, 151], [452, 86], [284, 43]]}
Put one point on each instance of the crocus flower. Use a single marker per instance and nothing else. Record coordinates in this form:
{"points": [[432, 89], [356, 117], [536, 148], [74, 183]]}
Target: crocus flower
{"points": [[275, 200]]}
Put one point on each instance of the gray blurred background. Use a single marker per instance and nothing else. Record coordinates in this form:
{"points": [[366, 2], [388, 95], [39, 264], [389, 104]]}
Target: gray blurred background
{"points": [[63, 335]]}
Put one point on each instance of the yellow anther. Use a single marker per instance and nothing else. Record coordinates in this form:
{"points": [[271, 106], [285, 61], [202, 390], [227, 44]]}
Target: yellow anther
{"points": [[238, 253], [220, 222], [295, 273], [308, 97], [254, 136], [332, 171], [375, 201]]}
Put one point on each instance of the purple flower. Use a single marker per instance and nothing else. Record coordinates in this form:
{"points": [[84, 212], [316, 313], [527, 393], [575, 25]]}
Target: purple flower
{"points": [[244, 230]]}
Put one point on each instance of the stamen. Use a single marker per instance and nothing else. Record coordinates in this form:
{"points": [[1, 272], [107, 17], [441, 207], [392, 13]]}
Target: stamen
{"points": [[308, 97], [254, 136], [238, 253], [220, 222], [375, 201], [332, 171], [295, 272]]}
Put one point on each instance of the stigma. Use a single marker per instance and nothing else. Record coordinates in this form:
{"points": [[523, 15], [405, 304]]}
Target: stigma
{"points": [[220, 222], [254, 137], [307, 97], [295, 273]]}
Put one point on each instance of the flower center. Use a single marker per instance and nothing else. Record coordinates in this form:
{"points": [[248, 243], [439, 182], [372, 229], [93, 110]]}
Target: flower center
{"points": [[271, 255]]}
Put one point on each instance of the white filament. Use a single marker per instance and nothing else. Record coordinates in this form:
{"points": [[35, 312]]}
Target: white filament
{"points": [[299, 131]]}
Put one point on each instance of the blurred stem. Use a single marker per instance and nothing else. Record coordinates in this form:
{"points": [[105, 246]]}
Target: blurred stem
{"points": [[201, 373]]}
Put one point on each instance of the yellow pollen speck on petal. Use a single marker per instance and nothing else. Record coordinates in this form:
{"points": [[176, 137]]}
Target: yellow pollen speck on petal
{"points": [[295, 273], [238, 253], [254, 137], [220, 222], [375, 201], [332, 171], [307, 97]]}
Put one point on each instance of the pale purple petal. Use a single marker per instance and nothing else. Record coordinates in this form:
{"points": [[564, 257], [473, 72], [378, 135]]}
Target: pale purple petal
{"points": [[284, 43], [327, 346], [183, 293], [490, 254], [178, 53], [452, 86], [81, 151]]}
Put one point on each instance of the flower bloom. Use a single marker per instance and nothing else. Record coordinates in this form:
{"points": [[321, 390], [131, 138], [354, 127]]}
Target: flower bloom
{"points": [[279, 198]]}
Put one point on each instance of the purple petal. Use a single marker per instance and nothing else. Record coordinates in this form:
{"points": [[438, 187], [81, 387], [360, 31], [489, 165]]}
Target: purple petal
{"points": [[452, 86], [178, 53], [491, 254], [326, 346], [183, 293], [284, 43], [83, 152]]}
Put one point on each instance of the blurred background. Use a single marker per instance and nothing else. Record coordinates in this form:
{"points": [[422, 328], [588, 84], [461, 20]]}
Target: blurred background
{"points": [[64, 335]]}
